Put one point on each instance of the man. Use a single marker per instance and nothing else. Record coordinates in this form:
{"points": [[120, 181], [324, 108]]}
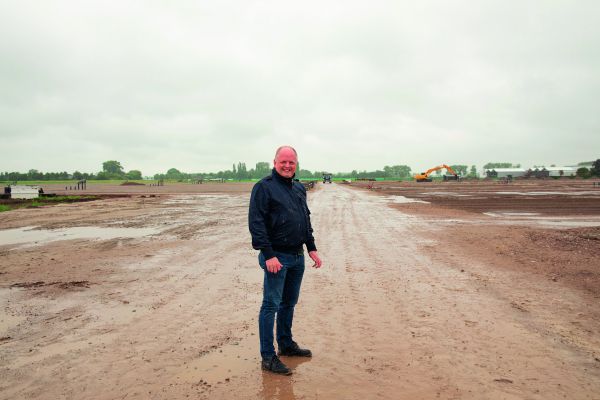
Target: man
{"points": [[279, 221]]}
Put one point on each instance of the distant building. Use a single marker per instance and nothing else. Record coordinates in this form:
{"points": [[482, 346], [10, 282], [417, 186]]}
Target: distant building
{"points": [[505, 172], [24, 192], [537, 173], [566, 171]]}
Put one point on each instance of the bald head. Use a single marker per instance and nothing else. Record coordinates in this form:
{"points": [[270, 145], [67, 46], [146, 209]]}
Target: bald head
{"points": [[286, 148], [285, 162]]}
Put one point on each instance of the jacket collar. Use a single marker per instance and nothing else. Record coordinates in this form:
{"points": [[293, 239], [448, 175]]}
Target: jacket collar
{"points": [[287, 181]]}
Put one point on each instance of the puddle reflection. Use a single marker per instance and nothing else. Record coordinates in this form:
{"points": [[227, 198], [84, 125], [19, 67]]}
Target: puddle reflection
{"points": [[279, 387]]}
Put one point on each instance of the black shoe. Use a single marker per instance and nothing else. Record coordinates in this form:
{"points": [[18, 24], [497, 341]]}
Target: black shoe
{"points": [[295, 351], [276, 366]]}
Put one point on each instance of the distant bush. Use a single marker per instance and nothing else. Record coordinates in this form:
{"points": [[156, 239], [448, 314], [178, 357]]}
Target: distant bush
{"points": [[583, 172], [595, 170]]}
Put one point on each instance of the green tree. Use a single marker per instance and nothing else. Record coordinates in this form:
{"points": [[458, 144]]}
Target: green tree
{"points": [[112, 167], [34, 175], [102, 175], [241, 173], [583, 172], [261, 170], [304, 174], [493, 165], [173, 173], [397, 171], [460, 169], [473, 172], [595, 170], [134, 174]]}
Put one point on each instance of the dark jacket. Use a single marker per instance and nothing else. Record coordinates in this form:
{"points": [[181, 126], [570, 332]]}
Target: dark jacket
{"points": [[279, 219]]}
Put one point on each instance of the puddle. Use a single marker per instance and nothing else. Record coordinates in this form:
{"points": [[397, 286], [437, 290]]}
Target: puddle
{"points": [[194, 199], [568, 224], [404, 200], [221, 365], [582, 193], [447, 194], [511, 214], [31, 236], [228, 364], [529, 218]]}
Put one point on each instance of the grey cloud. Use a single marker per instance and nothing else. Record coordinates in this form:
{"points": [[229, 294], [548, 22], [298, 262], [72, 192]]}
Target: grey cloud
{"points": [[199, 86]]}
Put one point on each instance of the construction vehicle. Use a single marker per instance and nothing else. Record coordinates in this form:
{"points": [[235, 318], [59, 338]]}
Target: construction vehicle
{"points": [[424, 176]]}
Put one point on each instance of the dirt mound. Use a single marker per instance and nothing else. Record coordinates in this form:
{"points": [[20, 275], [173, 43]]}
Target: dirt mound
{"points": [[127, 183], [579, 239]]}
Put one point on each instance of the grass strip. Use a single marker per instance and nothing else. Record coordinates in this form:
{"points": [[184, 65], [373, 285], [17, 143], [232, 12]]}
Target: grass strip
{"points": [[44, 201]]}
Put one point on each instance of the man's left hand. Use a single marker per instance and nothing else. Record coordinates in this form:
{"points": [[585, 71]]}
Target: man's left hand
{"points": [[315, 258]]}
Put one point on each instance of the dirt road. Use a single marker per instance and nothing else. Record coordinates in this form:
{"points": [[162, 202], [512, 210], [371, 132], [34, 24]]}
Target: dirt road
{"points": [[172, 312]]}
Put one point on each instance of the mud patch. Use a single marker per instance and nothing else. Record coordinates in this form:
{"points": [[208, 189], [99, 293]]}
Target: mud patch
{"points": [[397, 199], [191, 231], [33, 236], [73, 285]]}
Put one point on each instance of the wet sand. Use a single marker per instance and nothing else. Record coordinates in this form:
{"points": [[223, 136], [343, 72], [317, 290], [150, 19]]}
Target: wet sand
{"points": [[397, 311]]}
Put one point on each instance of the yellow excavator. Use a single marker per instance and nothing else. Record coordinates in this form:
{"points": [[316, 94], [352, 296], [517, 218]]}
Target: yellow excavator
{"points": [[424, 176]]}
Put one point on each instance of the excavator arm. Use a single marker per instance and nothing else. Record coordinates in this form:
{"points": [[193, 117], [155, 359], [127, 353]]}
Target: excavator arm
{"points": [[424, 176]]}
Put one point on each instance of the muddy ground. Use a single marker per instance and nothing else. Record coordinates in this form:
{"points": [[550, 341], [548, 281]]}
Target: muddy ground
{"points": [[551, 227], [157, 297]]}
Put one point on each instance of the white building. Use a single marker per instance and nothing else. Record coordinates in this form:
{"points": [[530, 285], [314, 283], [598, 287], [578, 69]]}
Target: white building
{"points": [[566, 171], [504, 172], [24, 192]]}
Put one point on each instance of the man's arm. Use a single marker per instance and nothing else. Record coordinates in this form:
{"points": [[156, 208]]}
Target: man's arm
{"points": [[310, 246], [257, 215], [259, 208], [310, 240], [315, 257]]}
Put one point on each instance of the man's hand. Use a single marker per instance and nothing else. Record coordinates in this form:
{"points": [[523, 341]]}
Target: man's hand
{"points": [[273, 265], [315, 258]]}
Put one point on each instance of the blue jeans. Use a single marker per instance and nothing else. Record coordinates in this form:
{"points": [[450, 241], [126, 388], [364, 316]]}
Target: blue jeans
{"points": [[280, 295]]}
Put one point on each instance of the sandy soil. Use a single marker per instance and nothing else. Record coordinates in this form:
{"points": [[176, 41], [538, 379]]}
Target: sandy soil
{"points": [[165, 305]]}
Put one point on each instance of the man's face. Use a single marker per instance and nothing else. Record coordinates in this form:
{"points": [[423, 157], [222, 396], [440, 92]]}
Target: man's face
{"points": [[285, 163]]}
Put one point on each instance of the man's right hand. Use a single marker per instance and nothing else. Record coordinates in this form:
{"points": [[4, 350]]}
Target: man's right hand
{"points": [[273, 265]]}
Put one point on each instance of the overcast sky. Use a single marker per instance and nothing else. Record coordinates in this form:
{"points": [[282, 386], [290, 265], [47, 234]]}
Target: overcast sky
{"points": [[200, 85]]}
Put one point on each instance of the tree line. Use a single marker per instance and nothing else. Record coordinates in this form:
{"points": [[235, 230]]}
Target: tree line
{"points": [[240, 171], [113, 169], [110, 170], [588, 169]]}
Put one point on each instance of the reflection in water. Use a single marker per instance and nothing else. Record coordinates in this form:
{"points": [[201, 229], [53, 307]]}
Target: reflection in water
{"points": [[276, 387], [280, 387]]}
